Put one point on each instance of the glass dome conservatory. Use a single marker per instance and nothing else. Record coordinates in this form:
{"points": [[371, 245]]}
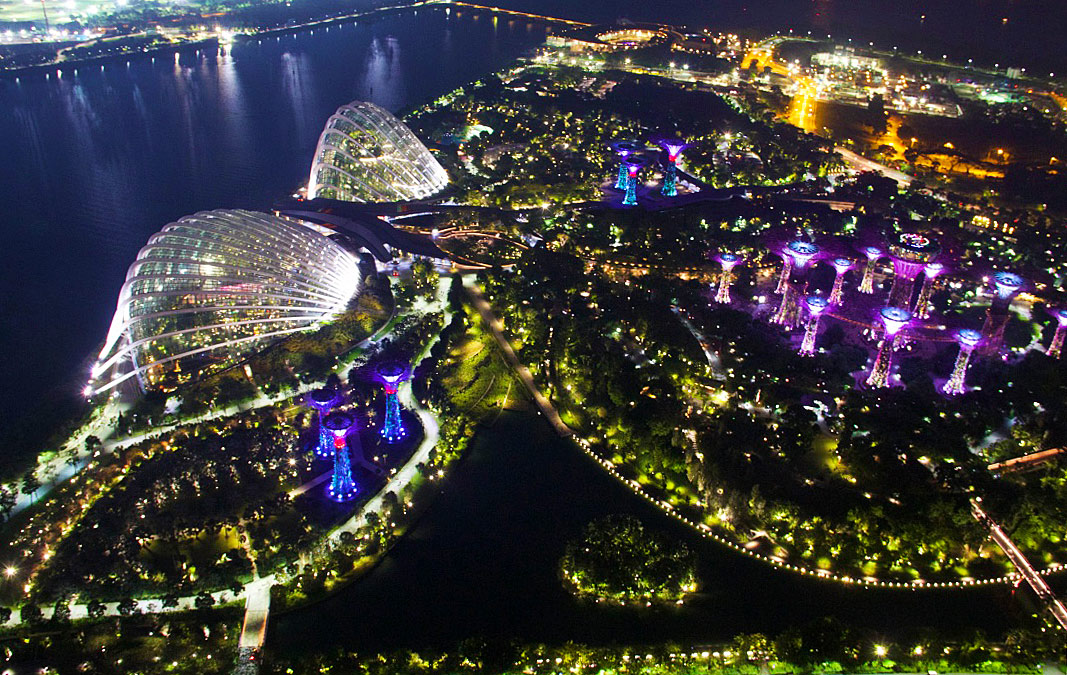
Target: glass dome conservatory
{"points": [[210, 289], [365, 154]]}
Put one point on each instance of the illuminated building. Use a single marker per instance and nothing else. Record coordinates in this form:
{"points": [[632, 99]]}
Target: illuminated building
{"points": [[841, 266], [893, 319], [674, 150], [624, 149], [211, 289], [728, 262], [1006, 286], [873, 254], [968, 340], [392, 428], [1056, 346], [342, 486], [800, 253], [910, 253], [323, 400], [365, 154], [816, 306], [633, 169], [930, 272]]}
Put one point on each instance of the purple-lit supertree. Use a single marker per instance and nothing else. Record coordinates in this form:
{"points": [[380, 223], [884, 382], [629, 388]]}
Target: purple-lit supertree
{"points": [[873, 254], [728, 261], [968, 339], [930, 272], [392, 428], [674, 148], [910, 253], [816, 306], [342, 486], [1056, 346], [841, 266], [1005, 286], [633, 168], [800, 253], [893, 319], [324, 400], [624, 149]]}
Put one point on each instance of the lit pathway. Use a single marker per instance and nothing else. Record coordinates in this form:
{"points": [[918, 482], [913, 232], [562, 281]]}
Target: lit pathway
{"points": [[494, 325], [860, 163], [1021, 564], [1033, 460]]}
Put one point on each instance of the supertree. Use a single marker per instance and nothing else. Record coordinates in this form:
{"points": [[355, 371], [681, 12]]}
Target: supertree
{"points": [[624, 149], [841, 266], [930, 273], [324, 400], [390, 375], [968, 339], [787, 269], [893, 319], [1056, 345], [1005, 286], [816, 306], [728, 261], [633, 168], [801, 253], [910, 253], [674, 150], [342, 486], [874, 254]]}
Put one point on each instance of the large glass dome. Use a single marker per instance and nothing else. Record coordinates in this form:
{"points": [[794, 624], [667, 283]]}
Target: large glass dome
{"points": [[212, 288], [367, 155]]}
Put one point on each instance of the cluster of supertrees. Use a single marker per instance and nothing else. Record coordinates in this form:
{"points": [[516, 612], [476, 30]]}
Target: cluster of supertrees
{"points": [[338, 430], [634, 156], [912, 254]]}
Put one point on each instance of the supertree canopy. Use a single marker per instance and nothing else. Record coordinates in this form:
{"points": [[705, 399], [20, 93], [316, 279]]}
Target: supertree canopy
{"points": [[342, 486], [728, 261], [324, 400], [841, 266], [800, 253], [1005, 286], [674, 148], [930, 274], [893, 319], [391, 375], [873, 254], [1056, 347], [968, 339], [910, 253], [816, 306]]}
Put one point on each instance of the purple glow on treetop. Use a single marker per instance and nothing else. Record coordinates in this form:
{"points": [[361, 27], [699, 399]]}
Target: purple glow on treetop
{"points": [[801, 252], [729, 260], [1061, 315], [1007, 283], [933, 269], [816, 304], [673, 148], [634, 166], [872, 252], [841, 264], [969, 337], [894, 318], [626, 148]]}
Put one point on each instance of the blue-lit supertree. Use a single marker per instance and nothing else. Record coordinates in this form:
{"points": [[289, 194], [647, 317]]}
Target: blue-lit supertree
{"points": [[393, 427], [633, 168], [342, 486], [323, 400], [674, 150], [624, 149]]}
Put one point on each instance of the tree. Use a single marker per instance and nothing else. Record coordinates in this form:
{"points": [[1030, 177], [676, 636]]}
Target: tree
{"points": [[30, 483], [61, 612], [127, 607], [31, 614], [170, 600], [7, 501], [5, 615], [204, 601], [96, 609]]}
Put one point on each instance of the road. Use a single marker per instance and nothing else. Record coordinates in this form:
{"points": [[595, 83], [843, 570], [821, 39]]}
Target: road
{"points": [[1021, 564], [1031, 461], [860, 163], [496, 328]]}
